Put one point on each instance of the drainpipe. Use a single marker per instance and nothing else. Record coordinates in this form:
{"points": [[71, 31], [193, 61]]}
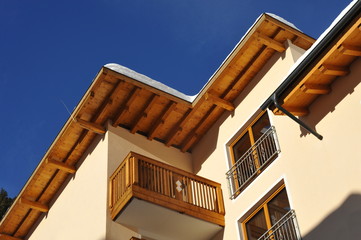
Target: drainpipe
{"points": [[293, 117]]}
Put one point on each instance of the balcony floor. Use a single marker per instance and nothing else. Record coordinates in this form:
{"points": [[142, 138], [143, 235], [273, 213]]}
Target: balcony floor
{"points": [[139, 216]]}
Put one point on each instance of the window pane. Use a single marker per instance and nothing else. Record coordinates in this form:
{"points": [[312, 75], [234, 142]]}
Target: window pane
{"points": [[261, 126], [256, 226], [278, 206], [241, 146]]}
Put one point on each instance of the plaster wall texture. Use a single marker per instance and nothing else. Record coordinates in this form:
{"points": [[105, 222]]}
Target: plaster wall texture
{"points": [[79, 211], [211, 158], [121, 142], [323, 177]]}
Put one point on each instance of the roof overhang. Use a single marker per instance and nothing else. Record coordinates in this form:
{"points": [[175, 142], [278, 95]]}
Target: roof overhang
{"points": [[153, 111]]}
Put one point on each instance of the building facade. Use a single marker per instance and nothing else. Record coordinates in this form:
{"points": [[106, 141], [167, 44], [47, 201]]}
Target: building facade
{"points": [[269, 149]]}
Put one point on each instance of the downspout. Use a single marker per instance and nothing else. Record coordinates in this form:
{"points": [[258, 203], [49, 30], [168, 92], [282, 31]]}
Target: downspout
{"points": [[294, 118]]}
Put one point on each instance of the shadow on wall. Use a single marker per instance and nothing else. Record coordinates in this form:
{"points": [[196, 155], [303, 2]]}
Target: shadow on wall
{"points": [[325, 104], [213, 132], [343, 223]]}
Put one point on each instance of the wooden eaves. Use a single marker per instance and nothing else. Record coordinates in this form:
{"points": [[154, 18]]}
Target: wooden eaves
{"points": [[330, 64], [144, 109]]}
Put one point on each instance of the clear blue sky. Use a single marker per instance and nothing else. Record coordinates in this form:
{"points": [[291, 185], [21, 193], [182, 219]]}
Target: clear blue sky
{"points": [[50, 52]]}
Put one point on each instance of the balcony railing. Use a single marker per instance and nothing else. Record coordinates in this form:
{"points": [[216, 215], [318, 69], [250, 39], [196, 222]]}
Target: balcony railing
{"points": [[285, 229], [265, 149], [159, 183]]}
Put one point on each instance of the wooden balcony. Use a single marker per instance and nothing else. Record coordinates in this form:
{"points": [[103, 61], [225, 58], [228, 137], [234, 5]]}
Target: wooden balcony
{"points": [[156, 199]]}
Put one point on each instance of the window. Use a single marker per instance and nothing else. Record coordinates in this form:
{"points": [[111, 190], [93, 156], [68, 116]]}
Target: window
{"points": [[274, 220], [251, 152]]}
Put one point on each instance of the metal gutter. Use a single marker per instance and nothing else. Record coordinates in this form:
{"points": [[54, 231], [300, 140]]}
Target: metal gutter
{"points": [[294, 118]]}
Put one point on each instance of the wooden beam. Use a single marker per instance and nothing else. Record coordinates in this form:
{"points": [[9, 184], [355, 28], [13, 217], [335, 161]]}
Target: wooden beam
{"points": [[195, 133], [144, 113], [8, 237], [219, 102], [125, 107], [298, 111], [108, 101], [269, 42], [350, 50], [61, 166], [315, 88], [179, 127], [161, 120], [91, 126], [324, 58], [34, 205], [334, 70]]}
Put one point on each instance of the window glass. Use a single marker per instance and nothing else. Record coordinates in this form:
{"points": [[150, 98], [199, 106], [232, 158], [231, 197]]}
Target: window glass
{"points": [[278, 206], [270, 212], [256, 226], [260, 127], [241, 147]]}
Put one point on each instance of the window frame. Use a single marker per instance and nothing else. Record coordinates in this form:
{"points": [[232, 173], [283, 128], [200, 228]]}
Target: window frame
{"points": [[248, 130], [259, 165], [264, 206]]}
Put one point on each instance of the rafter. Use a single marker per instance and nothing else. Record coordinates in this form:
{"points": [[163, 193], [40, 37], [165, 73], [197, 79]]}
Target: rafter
{"points": [[187, 143], [144, 113], [125, 107], [8, 237], [315, 88], [161, 120], [350, 50], [61, 166], [334, 70], [179, 126], [107, 103], [270, 42], [34, 205], [91, 126], [219, 102]]}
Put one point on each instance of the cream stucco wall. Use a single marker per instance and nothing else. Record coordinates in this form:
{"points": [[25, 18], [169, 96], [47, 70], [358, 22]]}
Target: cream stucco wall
{"points": [[211, 155], [79, 211], [322, 178], [121, 142]]}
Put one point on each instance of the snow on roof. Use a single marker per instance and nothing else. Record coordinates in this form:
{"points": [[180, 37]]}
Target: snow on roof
{"points": [[148, 81], [283, 20]]}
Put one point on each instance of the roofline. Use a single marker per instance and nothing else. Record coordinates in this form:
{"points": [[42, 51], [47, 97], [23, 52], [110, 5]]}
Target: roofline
{"points": [[241, 42], [313, 54]]}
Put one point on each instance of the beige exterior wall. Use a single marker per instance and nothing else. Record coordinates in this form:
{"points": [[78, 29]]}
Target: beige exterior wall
{"points": [[79, 212], [211, 155], [121, 142], [322, 178]]}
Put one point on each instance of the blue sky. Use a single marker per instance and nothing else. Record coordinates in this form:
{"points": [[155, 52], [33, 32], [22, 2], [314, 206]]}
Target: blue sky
{"points": [[50, 51]]}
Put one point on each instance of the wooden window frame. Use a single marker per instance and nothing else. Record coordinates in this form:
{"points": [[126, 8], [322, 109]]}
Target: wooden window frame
{"points": [[263, 206], [248, 130]]}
